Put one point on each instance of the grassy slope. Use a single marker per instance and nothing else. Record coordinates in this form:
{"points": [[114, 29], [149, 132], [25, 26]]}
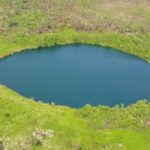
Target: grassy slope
{"points": [[137, 45], [119, 24], [87, 128]]}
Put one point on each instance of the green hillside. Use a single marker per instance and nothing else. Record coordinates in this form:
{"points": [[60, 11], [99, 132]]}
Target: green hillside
{"points": [[121, 24], [88, 128]]}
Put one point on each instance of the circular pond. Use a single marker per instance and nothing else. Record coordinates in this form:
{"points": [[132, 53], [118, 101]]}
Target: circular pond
{"points": [[76, 75]]}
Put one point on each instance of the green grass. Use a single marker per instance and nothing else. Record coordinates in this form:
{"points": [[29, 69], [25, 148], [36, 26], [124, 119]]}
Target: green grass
{"points": [[134, 44], [120, 24], [101, 127]]}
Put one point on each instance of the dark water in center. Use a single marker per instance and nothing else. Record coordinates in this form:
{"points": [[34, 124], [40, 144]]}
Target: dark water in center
{"points": [[76, 75]]}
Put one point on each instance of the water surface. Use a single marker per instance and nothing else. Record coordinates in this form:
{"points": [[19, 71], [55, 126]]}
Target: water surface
{"points": [[76, 75]]}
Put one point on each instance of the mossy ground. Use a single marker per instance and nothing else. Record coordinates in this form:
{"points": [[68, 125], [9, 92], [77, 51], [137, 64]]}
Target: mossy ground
{"points": [[88, 128]]}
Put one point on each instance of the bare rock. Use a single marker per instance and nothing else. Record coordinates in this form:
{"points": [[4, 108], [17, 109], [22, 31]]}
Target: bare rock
{"points": [[39, 135]]}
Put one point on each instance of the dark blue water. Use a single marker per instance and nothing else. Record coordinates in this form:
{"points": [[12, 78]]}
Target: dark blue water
{"points": [[76, 75]]}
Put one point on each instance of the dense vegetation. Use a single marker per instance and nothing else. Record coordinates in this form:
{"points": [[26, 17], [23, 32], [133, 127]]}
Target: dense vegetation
{"points": [[88, 128], [120, 24]]}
